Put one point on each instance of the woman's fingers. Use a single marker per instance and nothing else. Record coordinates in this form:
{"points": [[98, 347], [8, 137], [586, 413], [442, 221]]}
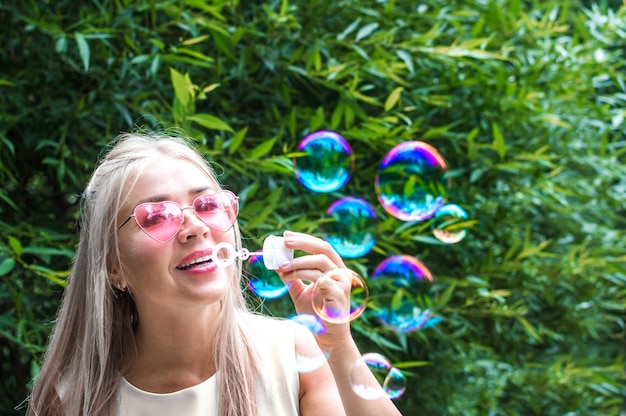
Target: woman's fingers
{"points": [[313, 245], [307, 268], [296, 288], [328, 296]]}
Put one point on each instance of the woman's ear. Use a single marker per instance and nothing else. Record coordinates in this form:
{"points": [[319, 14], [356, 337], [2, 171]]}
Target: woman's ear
{"points": [[116, 277]]}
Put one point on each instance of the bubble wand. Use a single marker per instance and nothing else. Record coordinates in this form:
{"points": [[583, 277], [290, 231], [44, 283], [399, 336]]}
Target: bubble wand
{"points": [[274, 253]]}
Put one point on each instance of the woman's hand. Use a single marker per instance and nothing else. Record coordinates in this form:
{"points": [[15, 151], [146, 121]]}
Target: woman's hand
{"points": [[332, 297], [333, 294]]}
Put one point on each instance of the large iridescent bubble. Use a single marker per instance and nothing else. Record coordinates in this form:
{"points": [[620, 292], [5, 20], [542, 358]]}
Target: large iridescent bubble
{"points": [[400, 286], [410, 182], [352, 226], [327, 164]]}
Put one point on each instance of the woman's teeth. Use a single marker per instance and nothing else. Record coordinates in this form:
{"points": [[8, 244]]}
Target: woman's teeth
{"points": [[194, 262]]}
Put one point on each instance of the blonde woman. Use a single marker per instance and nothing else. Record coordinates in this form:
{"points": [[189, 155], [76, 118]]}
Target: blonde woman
{"points": [[150, 325]]}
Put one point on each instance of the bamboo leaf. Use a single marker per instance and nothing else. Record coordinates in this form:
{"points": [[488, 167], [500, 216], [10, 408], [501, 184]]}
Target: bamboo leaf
{"points": [[529, 328], [349, 29], [210, 122], [262, 149], [366, 30], [16, 246], [411, 364], [499, 144], [182, 87], [533, 250], [83, 50], [237, 140], [6, 265], [407, 59], [268, 206], [393, 98]]}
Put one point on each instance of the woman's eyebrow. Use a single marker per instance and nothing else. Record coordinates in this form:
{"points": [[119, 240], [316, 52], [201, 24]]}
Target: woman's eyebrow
{"points": [[201, 189], [154, 198], [166, 197]]}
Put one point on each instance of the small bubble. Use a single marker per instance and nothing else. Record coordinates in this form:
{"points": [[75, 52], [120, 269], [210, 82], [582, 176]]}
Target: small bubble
{"points": [[351, 231], [306, 363], [449, 224], [327, 165], [310, 322], [387, 381], [410, 182]]}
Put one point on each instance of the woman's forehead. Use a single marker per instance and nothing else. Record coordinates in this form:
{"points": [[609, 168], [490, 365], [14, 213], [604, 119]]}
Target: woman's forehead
{"points": [[167, 178]]}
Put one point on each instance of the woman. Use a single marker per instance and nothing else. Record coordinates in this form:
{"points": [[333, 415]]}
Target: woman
{"points": [[149, 324]]}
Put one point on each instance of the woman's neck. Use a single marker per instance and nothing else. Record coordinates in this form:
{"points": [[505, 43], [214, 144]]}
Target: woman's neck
{"points": [[174, 351]]}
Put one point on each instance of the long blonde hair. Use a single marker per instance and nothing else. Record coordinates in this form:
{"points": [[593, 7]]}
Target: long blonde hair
{"points": [[86, 354]]}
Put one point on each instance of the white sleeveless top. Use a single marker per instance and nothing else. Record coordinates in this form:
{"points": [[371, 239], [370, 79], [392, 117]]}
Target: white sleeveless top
{"points": [[277, 397]]}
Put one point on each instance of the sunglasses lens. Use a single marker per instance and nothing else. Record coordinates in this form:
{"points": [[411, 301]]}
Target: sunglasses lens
{"points": [[219, 210], [159, 220]]}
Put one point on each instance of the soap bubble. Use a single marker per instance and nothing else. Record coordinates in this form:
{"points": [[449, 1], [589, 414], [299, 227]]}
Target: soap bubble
{"points": [[400, 284], [351, 233], [311, 322], [387, 381], [449, 224], [328, 163], [334, 285], [263, 282], [410, 181], [306, 363]]}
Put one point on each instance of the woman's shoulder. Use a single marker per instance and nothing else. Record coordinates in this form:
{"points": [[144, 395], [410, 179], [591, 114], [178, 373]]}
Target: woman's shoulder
{"points": [[283, 328], [258, 322], [274, 339]]}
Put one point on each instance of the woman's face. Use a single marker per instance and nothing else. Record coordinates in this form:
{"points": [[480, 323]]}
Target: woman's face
{"points": [[159, 275]]}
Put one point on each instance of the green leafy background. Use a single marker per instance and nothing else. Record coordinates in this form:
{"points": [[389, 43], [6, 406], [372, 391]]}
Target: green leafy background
{"points": [[525, 99]]}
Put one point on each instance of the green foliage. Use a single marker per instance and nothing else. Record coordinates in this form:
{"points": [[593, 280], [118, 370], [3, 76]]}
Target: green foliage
{"points": [[525, 100]]}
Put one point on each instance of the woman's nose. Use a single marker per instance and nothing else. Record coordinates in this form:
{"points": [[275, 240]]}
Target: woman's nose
{"points": [[192, 224]]}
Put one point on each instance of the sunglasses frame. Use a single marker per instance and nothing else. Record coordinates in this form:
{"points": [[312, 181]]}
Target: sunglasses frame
{"points": [[231, 196]]}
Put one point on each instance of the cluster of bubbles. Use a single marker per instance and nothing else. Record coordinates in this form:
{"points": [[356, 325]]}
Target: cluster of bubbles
{"points": [[411, 184], [372, 376]]}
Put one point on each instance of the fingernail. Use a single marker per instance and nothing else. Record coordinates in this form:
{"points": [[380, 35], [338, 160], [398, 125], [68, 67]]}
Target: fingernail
{"points": [[288, 233], [285, 264]]}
